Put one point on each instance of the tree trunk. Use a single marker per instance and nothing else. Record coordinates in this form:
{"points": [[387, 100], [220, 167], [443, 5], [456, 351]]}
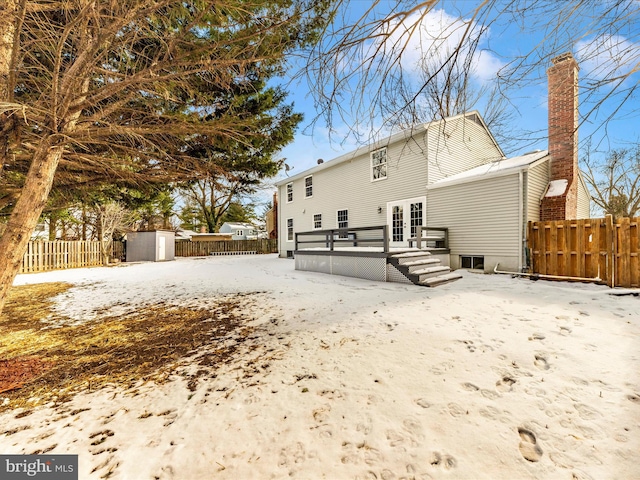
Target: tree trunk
{"points": [[84, 224], [104, 242], [26, 214], [8, 21], [53, 225]]}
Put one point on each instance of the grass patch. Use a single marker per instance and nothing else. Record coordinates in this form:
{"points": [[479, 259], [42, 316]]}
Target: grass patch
{"points": [[44, 363]]}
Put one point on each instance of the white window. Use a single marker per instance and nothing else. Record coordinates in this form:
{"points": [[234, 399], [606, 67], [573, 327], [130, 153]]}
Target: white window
{"points": [[317, 221], [289, 229], [289, 192], [379, 164], [308, 187], [239, 233]]}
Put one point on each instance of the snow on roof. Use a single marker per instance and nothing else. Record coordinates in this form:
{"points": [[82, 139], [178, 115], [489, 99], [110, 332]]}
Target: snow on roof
{"points": [[239, 225], [521, 162], [556, 188]]}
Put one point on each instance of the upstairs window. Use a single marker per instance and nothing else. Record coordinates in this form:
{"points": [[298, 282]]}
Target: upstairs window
{"points": [[379, 164], [317, 221], [289, 192], [308, 187]]}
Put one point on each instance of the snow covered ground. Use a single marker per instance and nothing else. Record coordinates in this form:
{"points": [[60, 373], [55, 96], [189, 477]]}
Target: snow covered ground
{"points": [[488, 377]]}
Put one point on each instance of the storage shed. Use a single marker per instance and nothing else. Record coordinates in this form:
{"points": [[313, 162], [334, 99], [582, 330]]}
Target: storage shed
{"points": [[155, 246]]}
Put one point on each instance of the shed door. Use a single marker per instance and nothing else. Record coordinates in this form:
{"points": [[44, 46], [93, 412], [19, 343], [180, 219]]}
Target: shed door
{"points": [[405, 217], [162, 248]]}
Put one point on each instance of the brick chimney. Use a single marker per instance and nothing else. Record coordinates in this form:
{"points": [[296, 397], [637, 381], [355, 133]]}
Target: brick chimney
{"points": [[561, 199]]}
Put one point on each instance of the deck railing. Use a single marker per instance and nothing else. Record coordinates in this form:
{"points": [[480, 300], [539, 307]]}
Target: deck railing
{"points": [[355, 237], [433, 237]]}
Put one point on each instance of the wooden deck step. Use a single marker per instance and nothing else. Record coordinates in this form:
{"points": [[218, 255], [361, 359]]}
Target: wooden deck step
{"points": [[426, 273], [441, 279], [426, 261], [416, 253], [413, 267]]}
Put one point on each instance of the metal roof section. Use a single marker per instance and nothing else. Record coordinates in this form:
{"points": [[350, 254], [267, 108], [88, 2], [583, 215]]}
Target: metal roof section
{"points": [[473, 116], [493, 169]]}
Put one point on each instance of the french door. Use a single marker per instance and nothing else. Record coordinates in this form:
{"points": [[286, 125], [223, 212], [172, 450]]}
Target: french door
{"points": [[405, 217]]}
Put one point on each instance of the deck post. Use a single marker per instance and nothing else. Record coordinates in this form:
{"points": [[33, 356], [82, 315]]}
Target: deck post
{"points": [[385, 237], [331, 240]]}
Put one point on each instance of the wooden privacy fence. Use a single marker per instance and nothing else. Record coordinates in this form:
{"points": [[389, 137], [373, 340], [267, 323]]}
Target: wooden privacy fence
{"points": [[185, 248], [591, 248], [56, 255]]}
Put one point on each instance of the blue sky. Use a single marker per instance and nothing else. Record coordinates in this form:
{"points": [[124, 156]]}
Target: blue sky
{"points": [[599, 51]]}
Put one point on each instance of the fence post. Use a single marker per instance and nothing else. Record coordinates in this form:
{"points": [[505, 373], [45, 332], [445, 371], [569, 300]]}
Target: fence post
{"points": [[611, 250]]}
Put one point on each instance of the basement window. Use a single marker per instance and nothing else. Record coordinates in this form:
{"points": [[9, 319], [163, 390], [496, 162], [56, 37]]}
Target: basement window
{"points": [[472, 262]]}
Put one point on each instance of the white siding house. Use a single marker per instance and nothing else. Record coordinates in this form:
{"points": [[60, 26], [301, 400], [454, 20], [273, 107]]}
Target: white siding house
{"points": [[449, 175], [239, 231], [362, 188]]}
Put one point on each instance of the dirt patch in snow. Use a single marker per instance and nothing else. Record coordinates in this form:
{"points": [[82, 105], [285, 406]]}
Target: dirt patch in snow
{"points": [[44, 364]]}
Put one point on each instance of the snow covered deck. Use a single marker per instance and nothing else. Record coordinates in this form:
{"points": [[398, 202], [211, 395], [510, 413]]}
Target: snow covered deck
{"points": [[357, 252]]}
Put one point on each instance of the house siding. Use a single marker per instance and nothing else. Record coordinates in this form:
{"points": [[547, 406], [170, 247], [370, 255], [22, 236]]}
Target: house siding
{"points": [[457, 146], [584, 200], [348, 185], [537, 179], [482, 218]]}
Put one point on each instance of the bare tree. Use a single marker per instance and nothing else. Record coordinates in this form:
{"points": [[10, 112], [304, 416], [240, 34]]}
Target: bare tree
{"points": [[448, 90], [111, 217], [615, 181], [111, 88], [362, 62]]}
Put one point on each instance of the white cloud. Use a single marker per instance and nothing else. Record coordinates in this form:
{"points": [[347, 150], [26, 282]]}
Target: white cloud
{"points": [[432, 36], [608, 56]]}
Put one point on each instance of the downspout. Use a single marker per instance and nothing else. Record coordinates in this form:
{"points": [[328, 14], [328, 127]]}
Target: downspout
{"points": [[520, 220], [426, 197]]}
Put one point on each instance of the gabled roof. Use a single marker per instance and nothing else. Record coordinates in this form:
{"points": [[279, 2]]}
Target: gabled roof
{"points": [[390, 140], [493, 169], [238, 225]]}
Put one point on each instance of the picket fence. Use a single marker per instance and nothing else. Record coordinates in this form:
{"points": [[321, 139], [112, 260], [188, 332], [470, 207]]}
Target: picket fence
{"points": [[43, 256], [186, 248]]}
